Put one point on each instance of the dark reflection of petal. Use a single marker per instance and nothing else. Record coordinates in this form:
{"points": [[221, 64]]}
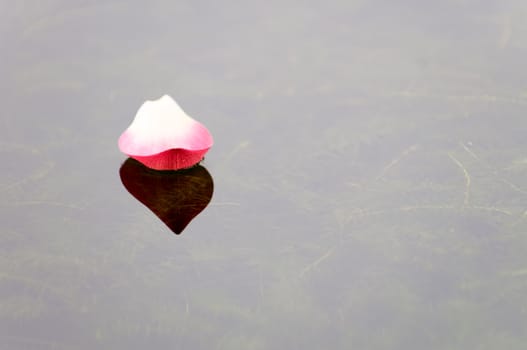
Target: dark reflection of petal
{"points": [[176, 197]]}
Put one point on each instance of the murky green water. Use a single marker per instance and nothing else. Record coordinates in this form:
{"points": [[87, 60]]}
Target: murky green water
{"points": [[369, 176]]}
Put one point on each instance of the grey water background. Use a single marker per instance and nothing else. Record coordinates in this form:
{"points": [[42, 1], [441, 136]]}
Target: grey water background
{"points": [[370, 167]]}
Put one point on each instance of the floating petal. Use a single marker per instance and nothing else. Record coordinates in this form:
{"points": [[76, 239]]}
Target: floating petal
{"points": [[163, 137]]}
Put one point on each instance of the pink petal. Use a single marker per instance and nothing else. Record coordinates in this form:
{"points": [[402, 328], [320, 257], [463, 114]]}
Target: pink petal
{"points": [[163, 137]]}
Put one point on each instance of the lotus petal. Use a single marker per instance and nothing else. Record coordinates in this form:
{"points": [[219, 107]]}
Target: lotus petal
{"points": [[163, 137]]}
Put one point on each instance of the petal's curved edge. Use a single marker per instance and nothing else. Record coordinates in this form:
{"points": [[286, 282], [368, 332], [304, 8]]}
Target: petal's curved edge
{"points": [[172, 159]]}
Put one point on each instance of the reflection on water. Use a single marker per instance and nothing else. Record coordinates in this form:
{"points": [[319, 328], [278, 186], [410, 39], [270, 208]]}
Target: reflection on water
{"points": [[176, 197]]}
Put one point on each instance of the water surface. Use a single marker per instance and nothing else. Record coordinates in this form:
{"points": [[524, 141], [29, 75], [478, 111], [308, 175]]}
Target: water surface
{"points": [[369, 176]]}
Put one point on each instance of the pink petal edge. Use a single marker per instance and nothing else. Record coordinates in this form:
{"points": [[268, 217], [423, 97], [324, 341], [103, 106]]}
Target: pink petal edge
{"points": [[173, 159]]}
